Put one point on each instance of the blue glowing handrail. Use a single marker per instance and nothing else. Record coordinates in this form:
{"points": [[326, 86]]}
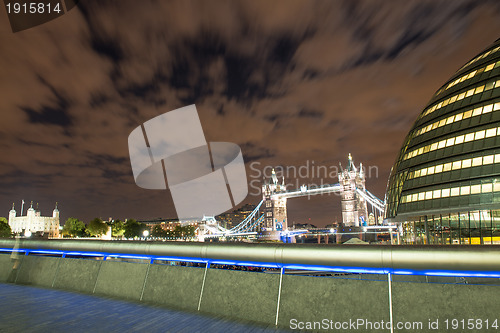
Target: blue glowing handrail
{"points": [[333, 269]]}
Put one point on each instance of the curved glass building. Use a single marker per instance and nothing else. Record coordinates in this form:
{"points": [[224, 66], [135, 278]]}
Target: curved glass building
{"points": [[445, 185]]}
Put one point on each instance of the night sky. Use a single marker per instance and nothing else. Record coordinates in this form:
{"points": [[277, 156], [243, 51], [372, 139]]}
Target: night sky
{"points": [[288, 81]]}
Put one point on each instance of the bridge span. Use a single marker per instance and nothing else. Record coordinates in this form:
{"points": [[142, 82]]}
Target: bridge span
{"points": [[269, 218]]}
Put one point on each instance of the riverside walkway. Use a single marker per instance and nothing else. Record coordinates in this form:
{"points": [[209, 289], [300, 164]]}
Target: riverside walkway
{"points": [[30, 309]]}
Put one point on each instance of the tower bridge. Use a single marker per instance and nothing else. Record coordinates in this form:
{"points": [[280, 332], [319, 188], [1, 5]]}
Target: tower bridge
{"points": [[269, 218]]}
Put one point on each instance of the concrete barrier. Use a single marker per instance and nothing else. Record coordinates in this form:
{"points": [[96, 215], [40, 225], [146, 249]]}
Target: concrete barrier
{"points": [[421, 302], [38, 271], [77, 275], [121, 279], [241, 295], [8, 268], [252, 296], [174, 286], [309, 299]]}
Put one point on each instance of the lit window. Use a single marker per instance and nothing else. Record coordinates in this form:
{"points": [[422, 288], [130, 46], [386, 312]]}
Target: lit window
{"points": [[436, 194], [439, 168], [458, 117], [469, 93], [497, 158], [414, 197], [428, 195], [489, 67], [455, 191], [496, 186], [450, 142], [430, 170], [442, 122], [496, 107], [491, 132], [467, 114], [475, 189], [486, 188], [434, 146], [447, 167], [459, 139], [420, 150], [456, 165], [488, 108], [423, 172], [453, 99], [464, 190], [426, 149], [461, 96], [469, 137], [450, 120], [417, 173], [442, 144], [403, 199], [479, 135], [435, 125], [479, 90], [421, 196], [477, 112], [488, 159], [467, 163], [477, 161]]}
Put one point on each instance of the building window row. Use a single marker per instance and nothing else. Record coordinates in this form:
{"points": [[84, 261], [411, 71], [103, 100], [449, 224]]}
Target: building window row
{"points": [[458, 117], [458, 97], [456, 165], [466, 227], [470, 75], [479, 57], [452, 192], [478, 135]]}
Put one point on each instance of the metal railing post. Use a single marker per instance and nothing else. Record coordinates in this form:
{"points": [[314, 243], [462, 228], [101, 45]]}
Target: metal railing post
{"points": [[203, 284], [279, 296], [390, 301]]}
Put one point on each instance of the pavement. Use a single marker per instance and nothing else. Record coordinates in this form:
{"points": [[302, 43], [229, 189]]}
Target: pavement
{"points": [[30, 309]]}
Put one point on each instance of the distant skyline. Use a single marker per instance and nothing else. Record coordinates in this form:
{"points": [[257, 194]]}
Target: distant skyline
{"points": [[288, 81]]}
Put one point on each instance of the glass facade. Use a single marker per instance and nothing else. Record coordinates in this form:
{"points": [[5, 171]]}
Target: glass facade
{"points": [[473, 227], [445, 185]]}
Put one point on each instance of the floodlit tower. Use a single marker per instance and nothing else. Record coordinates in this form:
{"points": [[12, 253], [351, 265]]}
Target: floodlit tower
{"points": [[354, 208], [274, 207], [12, 214]]}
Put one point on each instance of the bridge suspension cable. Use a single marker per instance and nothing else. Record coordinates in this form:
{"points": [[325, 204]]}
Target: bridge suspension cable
{"points": [[372, 200], [247, 220]]}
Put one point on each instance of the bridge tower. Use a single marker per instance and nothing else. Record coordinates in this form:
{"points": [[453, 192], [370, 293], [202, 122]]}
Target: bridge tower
{"points": [[274, 208], [354, 208]]}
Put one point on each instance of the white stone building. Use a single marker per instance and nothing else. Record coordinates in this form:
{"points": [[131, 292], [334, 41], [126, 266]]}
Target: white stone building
{"points": [[34, 222]]}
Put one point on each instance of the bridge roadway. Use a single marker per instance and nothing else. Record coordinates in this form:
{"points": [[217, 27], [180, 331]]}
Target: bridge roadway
{"points": [[30, 309]]}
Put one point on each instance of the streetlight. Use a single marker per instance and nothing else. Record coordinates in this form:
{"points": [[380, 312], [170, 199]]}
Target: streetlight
{"points": [[27, 234], [145, 233]]}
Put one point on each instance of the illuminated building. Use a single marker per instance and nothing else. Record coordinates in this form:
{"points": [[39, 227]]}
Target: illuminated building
{"points": [[275, 207], [354, 210], [445, 185], [34, 222]]}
